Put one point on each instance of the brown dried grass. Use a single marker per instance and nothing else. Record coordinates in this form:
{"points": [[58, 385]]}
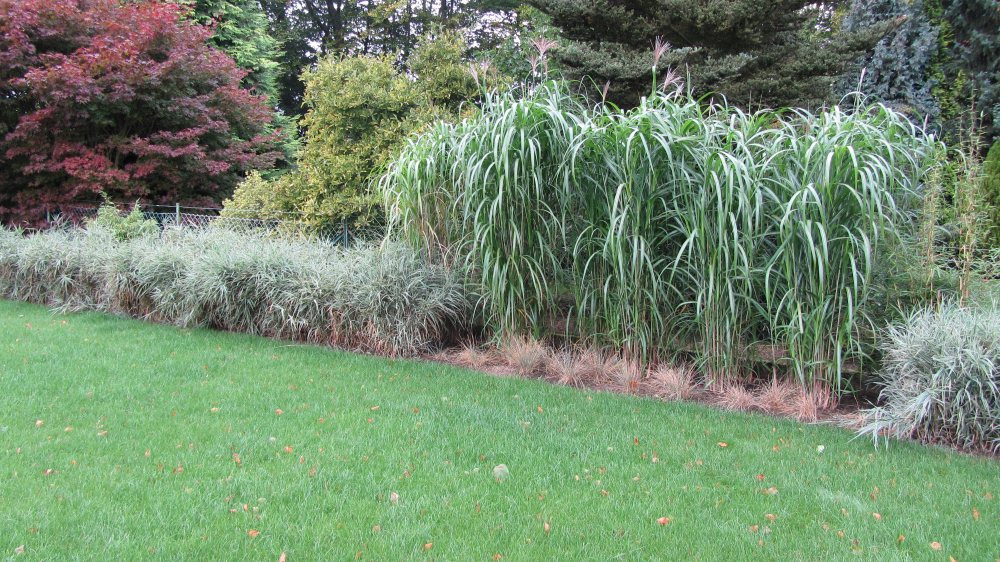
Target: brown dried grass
{"points": [[673, 382]]}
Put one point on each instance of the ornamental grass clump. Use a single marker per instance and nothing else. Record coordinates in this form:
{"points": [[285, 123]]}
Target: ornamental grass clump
{"points": [[385, 298], [675, 227], [941, 379]]}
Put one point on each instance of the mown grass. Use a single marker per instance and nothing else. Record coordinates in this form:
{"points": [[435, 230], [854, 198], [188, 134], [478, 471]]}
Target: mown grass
{"points": [[600, 469]]}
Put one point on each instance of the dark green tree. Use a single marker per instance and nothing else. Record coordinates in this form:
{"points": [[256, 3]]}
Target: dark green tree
{"points": [[775, 53], [975, 53], [897, 71], [240, 28], [941, 65]]}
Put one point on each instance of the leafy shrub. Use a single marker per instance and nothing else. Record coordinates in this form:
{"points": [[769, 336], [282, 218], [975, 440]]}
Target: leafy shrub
{"points": [[360, 110], [673, 226], [386, 299], [941, 379], [124, 226]]}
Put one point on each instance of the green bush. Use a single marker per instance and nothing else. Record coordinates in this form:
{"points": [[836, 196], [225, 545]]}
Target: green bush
{"points": [[670, 227], [124, 226], [360, 111], [386, 299], [941, 379]]}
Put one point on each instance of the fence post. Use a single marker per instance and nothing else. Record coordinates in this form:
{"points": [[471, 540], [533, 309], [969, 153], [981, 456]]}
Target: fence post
{"points": [[177, 214], [48, 216], [343, 225]]}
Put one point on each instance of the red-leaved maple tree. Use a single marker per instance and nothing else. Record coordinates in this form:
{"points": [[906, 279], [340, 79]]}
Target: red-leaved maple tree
{"points": [[121, 97]]}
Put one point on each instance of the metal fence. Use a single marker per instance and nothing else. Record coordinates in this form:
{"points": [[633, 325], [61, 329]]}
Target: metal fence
{"points": [[273, 222]]}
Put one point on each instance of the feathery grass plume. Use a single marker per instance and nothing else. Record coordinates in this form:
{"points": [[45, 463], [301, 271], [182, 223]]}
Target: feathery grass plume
{"points": [[674, 382], [526, 355], [941, 379], [471, 355], [780, 398], [732, 395], [672, 227], [563, 368]]}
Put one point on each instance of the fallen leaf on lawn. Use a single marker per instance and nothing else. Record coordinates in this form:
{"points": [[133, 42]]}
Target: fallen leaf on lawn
{"points": [[282, 558], [428, 545], [253, 533], [840, 534], [546, 527], [540, 410], [975, 514], [820, 448], [635, 440], [376, 528], [604, 493], [236, 458], [148, 452], [48, 471], [39, 423], [370, 420], [375, 408], [288, 448], [663, 521], [935, 545], [500, 472], [722, 444], [279, 411], [394, 497], [770, 491], [877, 516], [68, 429], [754, 528], [760, 477], [214, 409], [900, 539], [770, 517], [179, 469], [497, 556], [19, 550]]}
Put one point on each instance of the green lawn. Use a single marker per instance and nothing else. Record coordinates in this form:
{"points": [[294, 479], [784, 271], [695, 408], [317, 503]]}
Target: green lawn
{"points": [[119, 439]]}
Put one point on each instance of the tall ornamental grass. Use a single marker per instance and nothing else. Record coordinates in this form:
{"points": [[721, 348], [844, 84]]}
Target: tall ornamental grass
{"points": [[676, 227], [386, 299]]}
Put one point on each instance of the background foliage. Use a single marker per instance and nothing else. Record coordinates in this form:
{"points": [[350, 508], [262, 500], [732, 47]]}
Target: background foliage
{"points": [[360, 111], [127, 99], [765, 54]]}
